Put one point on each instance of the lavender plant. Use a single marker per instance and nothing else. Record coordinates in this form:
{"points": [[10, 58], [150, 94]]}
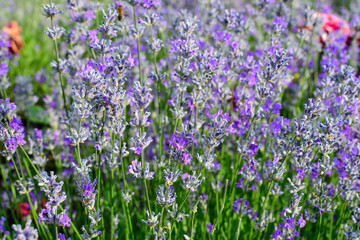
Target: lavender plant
{"points": [[183, 120]]}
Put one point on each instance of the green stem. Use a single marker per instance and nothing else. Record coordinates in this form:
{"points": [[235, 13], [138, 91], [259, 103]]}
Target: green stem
{"points": [[99, 164], [138, 45], [112, 194], [183, 202], [129, 220], [60, 75], [124, 204], [221, 210], [147, 197], [192, 226], [238, 230]]}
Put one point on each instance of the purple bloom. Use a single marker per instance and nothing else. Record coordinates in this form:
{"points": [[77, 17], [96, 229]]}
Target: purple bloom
{"points": [[209, 227], [65, 221], [212, 63], [38, 133], [4, 69], [3, 231], [301, 221], [171, 102], [184, 176], [242, 207], [283, 212], [279, 24], [289, 224], [131, 61], [134, 168], [89, 15], [186, 158], [277, 233], [62, 237], [300, 173], [88, 190], [137, 150]]}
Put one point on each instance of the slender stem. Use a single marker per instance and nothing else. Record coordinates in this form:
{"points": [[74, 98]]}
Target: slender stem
{"points": [[192, 226], [321, 215], [217, 202], [147, 197], [129, 220], [112, 194], [221, 210], [266, 197], [183, 202], [31, 163], [319, 231], [60, 75], [99, 163], [158, 95], [138, 45], [125, 207], [238, 230]]}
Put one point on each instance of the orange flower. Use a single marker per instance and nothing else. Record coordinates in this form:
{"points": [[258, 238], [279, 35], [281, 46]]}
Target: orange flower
{"points": [[13, 33]]}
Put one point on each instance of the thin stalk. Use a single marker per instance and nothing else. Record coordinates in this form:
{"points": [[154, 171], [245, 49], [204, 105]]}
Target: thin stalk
{"points": [[138, 45], [31, 163], [221, 210], [112, 194], [238, 230], [192, 226], [194, 210], [129, 220], [217, 202], [321, 215], [146, 190], [60, 75], [124, 204], [99, 165], [158, 94], [183, 202]]}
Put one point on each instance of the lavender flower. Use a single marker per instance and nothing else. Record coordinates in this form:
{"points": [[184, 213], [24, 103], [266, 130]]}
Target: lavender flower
{"points": [[3, 231], [136, 170], [27, 233], [52, 190], [51, 10], [151, 221], [166, 196]]}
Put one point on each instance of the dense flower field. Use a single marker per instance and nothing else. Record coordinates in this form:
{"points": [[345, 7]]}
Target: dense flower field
{"points": [[194, 119]]}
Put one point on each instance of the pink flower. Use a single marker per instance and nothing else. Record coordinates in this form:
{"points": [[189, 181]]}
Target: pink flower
{"points": [[333, 23]]}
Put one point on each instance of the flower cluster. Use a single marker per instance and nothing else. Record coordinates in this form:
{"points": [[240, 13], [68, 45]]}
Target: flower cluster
{"points": [[181, 119], [53, 191]]}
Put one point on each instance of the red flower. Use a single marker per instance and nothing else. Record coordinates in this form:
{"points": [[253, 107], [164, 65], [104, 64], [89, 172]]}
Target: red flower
{"points": [[23, 209]]}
